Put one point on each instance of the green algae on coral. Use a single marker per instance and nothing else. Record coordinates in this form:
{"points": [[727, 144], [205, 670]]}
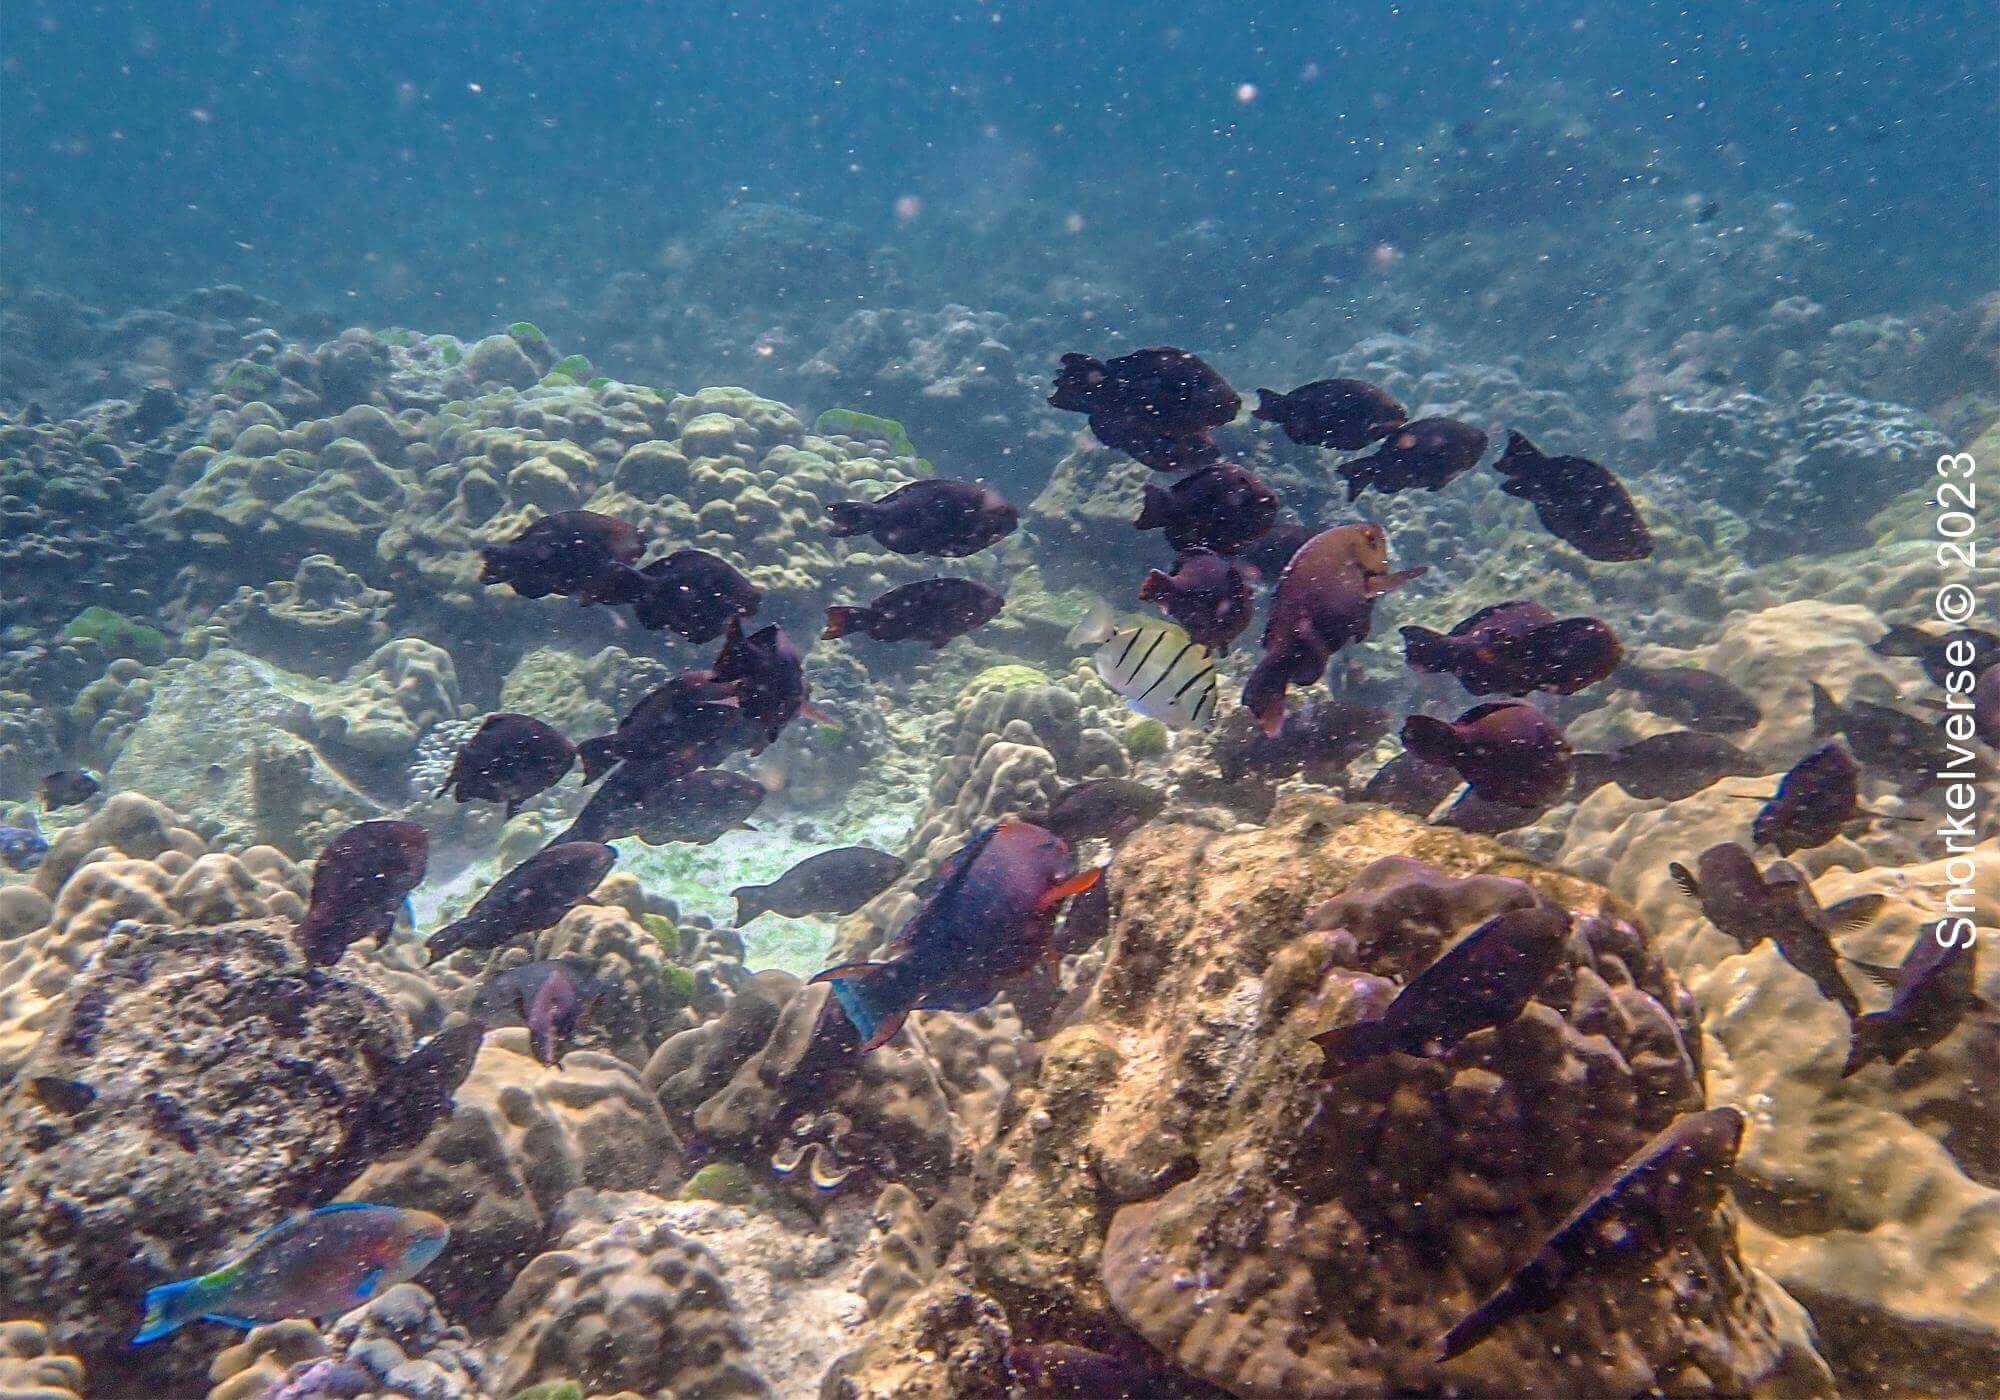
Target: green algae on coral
{"points": [[551, 1390], [526, 331], [570, 369], [850, 422], [1146, 739], [118, 634], [1010, 676], [720, 1181], [677, 981]]}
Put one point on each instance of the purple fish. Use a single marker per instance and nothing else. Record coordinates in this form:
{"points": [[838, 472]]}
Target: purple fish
{"points": [[1577, 501], [1208, 595], [939, 516], [695, 593], [1344, 413], [1426, 452], [1934, 986], [532, 896], [1517, 647], [359, 882], [1223, 507], [933, 610], [1509, 751], [579, 553], [768, 675], [510, 758], [1157, 405], [694, 718]]}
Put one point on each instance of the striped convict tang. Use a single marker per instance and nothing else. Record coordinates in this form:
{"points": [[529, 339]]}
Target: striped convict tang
{"points": [[1161, 672]]}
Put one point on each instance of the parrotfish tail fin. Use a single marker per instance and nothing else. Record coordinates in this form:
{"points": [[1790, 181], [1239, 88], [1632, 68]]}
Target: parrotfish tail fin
{"points": [[1881, 976], [870, 994], [749, 903], [1096, 628], [1264, 696], [1521, 455], [597, 757], [1153, 514], [849, 517], [1684, 877], [1267, 405], [1347, 1047], [1825, 713], [842, 620], [1901, 640], [168, 1307], [1382, 583], [1154, 586], [1864, 1045], [1074, 885], [1426, 650], [1858, 912]]}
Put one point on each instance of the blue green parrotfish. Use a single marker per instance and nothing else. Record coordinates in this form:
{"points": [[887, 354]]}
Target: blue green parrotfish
{"points": [[316, 1265], [989, 916]]}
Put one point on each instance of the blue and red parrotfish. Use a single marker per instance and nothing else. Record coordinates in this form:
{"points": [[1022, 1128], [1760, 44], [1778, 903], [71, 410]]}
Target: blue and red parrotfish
{"points": [[317, 1265], [989, 917]]}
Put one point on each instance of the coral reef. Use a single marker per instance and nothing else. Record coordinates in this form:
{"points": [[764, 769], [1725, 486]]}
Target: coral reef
{"points": [[396, 1344]]}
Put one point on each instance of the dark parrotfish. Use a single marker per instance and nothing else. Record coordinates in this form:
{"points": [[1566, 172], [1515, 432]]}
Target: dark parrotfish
{"points": [[552, 998], [1509, 751], [1427, 452], [768, 675], [1697, 698], [933, 610], [939, 516], [1208, 595], [510, 758], [1317, 743], [359, 882], [990, 917], [1410, 785], [534, 895], [1671, 766], [1471, 812], [1659, 1194], [1324, 600], [1482, 981], [1911, 751], [1934, 986], [695, 593], [839, 881], [578, 553], [1819, 795], [1515, 648], [1344, 413], [1157, 405], [1934, 651], [1063, 1371], [1108, 809], [1223, 508], [1270, 552], [1577, 501], [661, 800], [1751, 906], [70, 788], [410, 1099], [691, 719]]}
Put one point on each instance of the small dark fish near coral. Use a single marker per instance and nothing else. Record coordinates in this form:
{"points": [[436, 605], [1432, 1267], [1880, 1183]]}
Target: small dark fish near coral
{"points": [[1819, 796], [532, 896], [1324, 601], [1410, 785], [990, 916], [22, 849], [1669, 766], [316, 1265], [1208, 595], [1517, 647], [510, 758], [1577, 501], [1428, 452], [690, 720], [1482, 981], [939, 516], [1344, 413], [768, 675], [1935, 985], [1659, 1194], [660, 800], [695, 593], [1062, 1371], [1697, 698], [1108, 809], [70, 788], [1317, 743], [1223, 508], [578, 553], [1940, 653], [839, 881], [1157, 404], [359, 882], [933, 610], [552, 998], [1510, 752], [410, 1099], [1911, 751], [1779, 905]]}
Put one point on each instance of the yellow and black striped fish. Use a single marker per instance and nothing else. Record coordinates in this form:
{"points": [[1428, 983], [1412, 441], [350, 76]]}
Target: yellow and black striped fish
{"points": [[1161, 672]]}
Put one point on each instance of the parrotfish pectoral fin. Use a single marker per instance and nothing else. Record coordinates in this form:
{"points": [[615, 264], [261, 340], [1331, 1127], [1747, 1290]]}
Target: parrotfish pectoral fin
{"points": [[167, 1308], [864, 991], [1382, 583], [1074, 885], [370, 1281]]}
